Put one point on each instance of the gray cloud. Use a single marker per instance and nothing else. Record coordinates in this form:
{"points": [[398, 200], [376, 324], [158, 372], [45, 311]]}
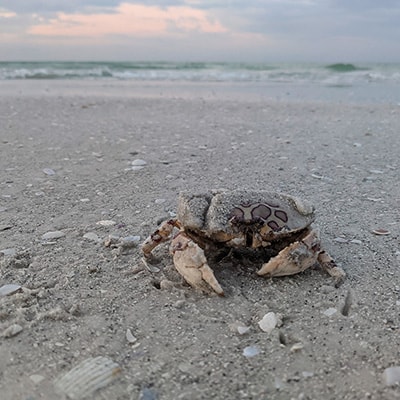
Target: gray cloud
{"points": [[294, 28]]}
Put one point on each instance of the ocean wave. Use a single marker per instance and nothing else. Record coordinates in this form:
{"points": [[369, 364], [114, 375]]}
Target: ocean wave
{"points": [[334, 74], [341, 67]]}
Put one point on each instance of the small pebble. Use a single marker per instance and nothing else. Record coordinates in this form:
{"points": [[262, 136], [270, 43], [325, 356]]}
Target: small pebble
{"points": [[35, 378], [91, 236], [391, 376], [53, 235], [159, 201], [251, 351], [340, 240], [356, 241], [147, 394], [111, 240]]}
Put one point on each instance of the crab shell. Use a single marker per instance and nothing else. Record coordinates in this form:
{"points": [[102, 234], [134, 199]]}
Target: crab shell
{"points": [[230, 216]]}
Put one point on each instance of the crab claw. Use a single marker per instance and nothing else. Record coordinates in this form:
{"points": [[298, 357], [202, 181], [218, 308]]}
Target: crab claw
{"points": [[295, 258], [191, 263], [162, 234]]}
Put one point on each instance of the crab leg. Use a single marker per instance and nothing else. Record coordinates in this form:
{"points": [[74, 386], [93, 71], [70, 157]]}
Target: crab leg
{"points": [[295, 258], [162, 234], [328, 264], [191, 263]]}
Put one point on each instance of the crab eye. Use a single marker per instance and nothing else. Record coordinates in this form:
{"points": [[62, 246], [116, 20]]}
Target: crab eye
{"points": [[261, 212]]}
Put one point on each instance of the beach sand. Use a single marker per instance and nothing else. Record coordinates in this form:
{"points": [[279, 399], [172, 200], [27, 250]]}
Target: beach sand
{"points": [[66, 164]]}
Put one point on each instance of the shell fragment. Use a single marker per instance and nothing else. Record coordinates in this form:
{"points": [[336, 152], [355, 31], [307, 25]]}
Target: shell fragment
{"points": [[87, 377]]}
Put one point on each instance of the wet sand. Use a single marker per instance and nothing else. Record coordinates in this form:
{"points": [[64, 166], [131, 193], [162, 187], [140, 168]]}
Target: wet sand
{"points": [[66, 153]]}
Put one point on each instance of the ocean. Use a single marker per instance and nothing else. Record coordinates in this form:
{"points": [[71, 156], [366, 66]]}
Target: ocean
{"points": [[375, 82]]}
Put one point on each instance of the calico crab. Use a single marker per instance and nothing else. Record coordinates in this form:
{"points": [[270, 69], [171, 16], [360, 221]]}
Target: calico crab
{"points": [[275, 224]]}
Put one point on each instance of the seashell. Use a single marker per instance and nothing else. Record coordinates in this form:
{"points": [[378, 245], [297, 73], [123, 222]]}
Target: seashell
{"points": [[269, 322], [106, 222], [8, 289], [330, 311], [391, 376], [129, 336], [297, 347], [87, 377], [251, 351], [12, 330], [130, 241], [53, 235], [381, 232], [138, 163], [340, 239], [48, 171], [243, 329], [8, 252]]}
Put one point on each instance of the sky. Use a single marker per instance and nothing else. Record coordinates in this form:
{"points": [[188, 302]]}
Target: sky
{"points": [[200, 30]]}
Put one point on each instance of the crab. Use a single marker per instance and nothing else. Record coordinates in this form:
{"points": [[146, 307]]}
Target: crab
{"points": [[277, 225]]}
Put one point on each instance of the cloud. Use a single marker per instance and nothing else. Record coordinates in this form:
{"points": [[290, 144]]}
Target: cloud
{"points": [[130, 19], [7, 14]]}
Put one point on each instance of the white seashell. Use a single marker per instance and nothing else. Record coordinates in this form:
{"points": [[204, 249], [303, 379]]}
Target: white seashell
{"points": [[129, 336], [269, 322], [87, 377], [130, 241], [243, 329], [12, 330], [8, 289], [138, 163], [8, 252], [53, 235], [106, 222], [49, 171], [391, 376], [330, 311], [251, 351], [296, 347]]}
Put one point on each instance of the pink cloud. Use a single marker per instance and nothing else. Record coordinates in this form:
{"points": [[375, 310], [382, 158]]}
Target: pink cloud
{"points": [[130, 19]]}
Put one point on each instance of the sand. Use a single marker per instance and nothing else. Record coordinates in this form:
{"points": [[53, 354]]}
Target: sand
{"points": [[66, 152]]}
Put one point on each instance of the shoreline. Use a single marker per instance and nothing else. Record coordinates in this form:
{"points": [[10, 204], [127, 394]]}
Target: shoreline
{"points": [[374, 93]]}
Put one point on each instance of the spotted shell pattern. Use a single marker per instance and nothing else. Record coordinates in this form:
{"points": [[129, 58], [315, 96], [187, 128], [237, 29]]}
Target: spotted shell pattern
{"points": [[269, 214]]}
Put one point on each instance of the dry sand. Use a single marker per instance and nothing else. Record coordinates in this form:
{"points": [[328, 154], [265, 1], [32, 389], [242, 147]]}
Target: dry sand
{"points": [[80, 297]]}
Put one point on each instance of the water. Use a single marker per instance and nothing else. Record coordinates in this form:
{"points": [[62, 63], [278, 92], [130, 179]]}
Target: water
{"points": [[334, 74], [375, 82]]}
